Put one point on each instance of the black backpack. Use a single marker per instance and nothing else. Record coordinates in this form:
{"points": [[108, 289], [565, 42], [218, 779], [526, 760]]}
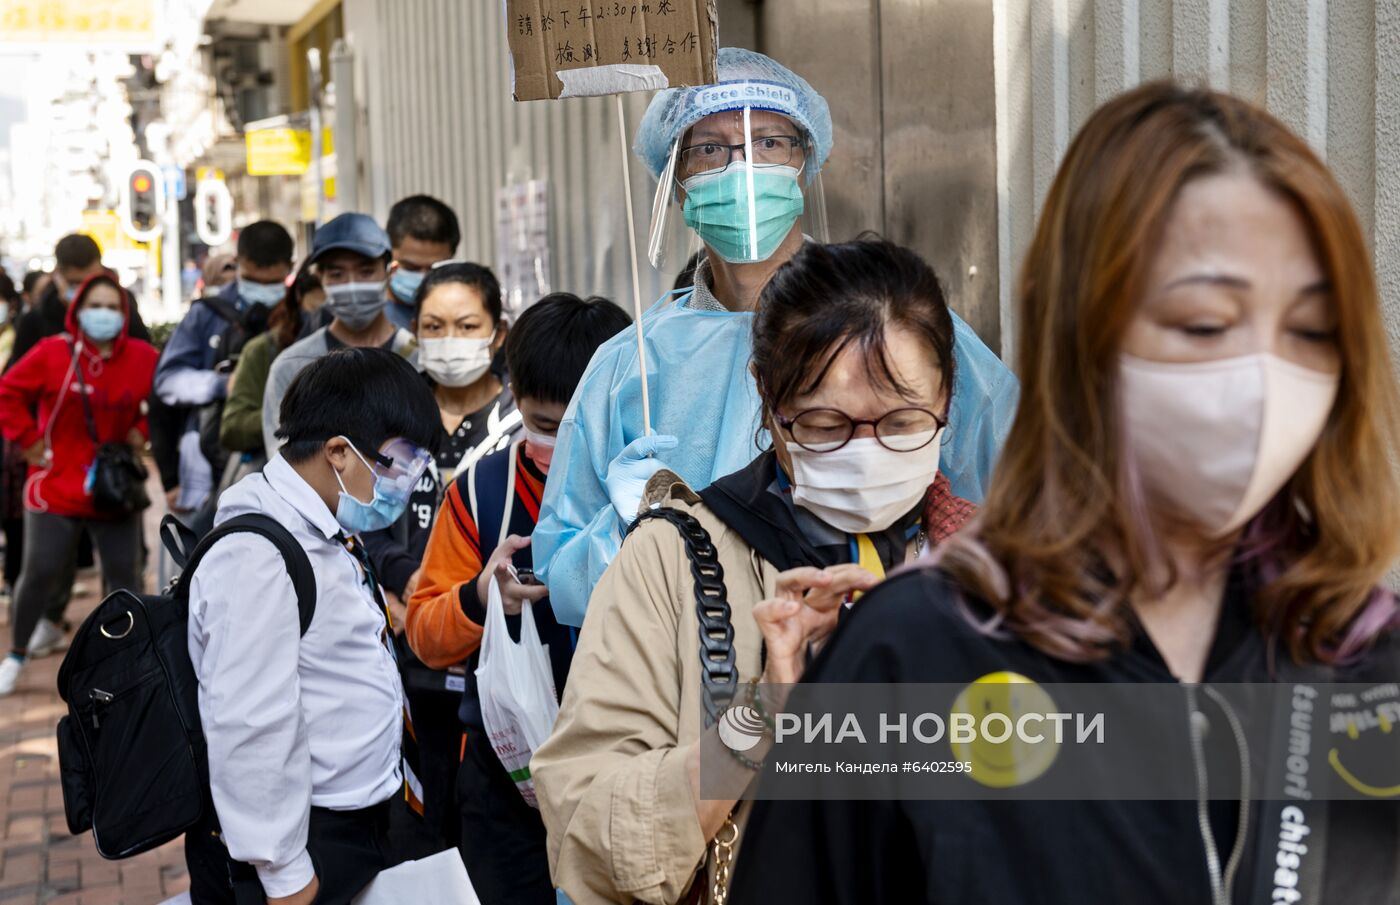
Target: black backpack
{"points": [[131, 752]]}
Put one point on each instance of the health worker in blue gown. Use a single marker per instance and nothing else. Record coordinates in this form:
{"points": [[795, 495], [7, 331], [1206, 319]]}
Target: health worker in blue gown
{"points": [[738, 164]]}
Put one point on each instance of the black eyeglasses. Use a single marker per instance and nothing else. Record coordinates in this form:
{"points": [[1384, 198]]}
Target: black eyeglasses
{"points": [[768, 151], [827, 430]]}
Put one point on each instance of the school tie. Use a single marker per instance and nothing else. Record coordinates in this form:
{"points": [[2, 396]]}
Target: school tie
{"points": [[412, 787]]}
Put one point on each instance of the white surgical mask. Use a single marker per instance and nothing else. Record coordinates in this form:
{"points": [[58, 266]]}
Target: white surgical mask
{"points": [[1217, 440], [863, 487], [455, 361]]}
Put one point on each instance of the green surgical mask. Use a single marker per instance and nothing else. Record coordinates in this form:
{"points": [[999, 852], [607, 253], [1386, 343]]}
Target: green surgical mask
{"points": [[717, 208]]}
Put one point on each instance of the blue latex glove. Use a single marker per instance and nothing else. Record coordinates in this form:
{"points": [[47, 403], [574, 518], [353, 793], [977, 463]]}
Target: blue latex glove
{"points": [[629, 472]]}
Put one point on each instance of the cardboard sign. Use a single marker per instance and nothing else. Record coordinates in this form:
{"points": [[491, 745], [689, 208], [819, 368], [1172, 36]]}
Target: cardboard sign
{"points": [[586, 48]]}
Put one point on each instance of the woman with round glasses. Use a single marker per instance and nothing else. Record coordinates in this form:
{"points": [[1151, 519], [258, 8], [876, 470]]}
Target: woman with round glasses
{"points": [[855, 393]]}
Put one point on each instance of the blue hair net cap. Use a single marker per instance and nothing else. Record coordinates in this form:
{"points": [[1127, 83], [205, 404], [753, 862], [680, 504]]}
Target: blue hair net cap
{"points": [[746, 79]]}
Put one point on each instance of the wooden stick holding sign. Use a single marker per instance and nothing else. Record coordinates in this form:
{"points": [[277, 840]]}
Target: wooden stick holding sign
{"points": [[587, 48], [632, 249]]}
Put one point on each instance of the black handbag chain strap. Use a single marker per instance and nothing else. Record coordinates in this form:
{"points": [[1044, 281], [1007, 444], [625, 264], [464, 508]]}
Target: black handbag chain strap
{"points": [[83, 394], [719, 679]]}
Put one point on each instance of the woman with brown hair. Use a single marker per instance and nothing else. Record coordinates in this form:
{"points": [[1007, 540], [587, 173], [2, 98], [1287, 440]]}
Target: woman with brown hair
{"points": [[1197, 488]]}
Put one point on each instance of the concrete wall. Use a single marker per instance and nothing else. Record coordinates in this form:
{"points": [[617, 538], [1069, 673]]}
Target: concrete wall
{"points": [[1328, 68], [434, 83], [911, 85]]}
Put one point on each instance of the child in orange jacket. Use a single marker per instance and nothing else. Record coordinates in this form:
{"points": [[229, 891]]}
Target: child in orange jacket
{"points": [[483, 530]]}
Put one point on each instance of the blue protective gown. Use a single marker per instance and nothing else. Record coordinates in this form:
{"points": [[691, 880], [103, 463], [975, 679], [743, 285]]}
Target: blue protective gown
{"points": [[703, 393]]}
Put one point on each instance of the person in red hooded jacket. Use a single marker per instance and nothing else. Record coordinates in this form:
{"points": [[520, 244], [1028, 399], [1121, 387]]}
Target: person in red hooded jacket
{"points": [[94, 358]]}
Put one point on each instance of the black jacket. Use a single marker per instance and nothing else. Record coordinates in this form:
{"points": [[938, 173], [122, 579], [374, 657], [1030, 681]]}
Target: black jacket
{"points": [[944, 852], [47, 319]]}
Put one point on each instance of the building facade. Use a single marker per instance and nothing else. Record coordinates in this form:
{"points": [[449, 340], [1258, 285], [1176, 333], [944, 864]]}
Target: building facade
{"points": [[951, 117]]}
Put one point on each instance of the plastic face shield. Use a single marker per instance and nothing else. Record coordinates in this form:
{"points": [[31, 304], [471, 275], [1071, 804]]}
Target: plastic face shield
{"points": [[400, 464], [735, 182]]}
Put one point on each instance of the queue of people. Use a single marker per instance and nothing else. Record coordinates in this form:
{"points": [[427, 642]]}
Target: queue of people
{"points": [[841, 484]]}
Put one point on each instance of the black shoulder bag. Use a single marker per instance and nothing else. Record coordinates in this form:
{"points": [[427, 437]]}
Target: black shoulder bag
{"points": [[718, 677], [117, 481]]}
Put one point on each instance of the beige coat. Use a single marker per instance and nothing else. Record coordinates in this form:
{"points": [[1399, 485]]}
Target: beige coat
{"points": [[613, 786]]}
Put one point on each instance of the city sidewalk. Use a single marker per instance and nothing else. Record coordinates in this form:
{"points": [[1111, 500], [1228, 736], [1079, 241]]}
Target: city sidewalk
{"points": [[40, 862]]}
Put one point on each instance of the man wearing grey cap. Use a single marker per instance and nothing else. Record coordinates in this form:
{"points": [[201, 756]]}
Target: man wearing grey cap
{"points": [[351, 256]]}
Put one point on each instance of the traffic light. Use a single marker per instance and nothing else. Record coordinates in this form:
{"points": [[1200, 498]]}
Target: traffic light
{"points": [[213, 212], [143, 200]]}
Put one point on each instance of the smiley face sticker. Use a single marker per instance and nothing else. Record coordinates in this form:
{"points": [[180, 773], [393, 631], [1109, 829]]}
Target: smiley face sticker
{"points": [[1365, 740], [1004, 751]]}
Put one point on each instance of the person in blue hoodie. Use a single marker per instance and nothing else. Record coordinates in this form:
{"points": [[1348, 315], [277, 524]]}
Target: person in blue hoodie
{"points": [[197, 363], [741, 157]]}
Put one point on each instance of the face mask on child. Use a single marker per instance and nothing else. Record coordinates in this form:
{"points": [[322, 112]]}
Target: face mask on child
{"points": [[390, 499], [540, 449]]}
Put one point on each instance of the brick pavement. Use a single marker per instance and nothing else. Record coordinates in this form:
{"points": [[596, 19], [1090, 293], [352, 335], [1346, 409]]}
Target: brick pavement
{"points": [[40, 862]]}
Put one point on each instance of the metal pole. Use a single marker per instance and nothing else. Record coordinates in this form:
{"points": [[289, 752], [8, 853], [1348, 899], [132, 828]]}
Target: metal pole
{"points": [[347, 159], [313, 59], [152, 279], [171, 294], [171, 289]]}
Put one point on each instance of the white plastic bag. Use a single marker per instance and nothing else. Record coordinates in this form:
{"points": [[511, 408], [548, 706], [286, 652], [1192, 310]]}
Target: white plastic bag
{"points": [[436, 880], [516, 686]]}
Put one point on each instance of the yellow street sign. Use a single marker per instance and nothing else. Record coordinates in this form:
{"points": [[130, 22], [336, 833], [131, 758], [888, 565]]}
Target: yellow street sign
{"points": [[278, 152], [129, 24], [283, 152], [105, 227]]}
